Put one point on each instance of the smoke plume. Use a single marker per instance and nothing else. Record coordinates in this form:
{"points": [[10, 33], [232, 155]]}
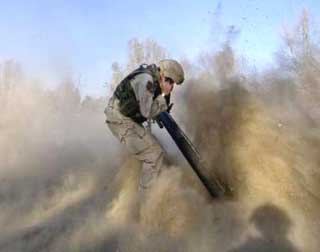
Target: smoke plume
{"points": [[68, 185]]}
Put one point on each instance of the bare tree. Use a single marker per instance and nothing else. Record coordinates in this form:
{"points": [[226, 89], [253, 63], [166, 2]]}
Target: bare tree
{"points": [[68, 94], [147, 51], [300, 59], [10, 74], [117, 75]]}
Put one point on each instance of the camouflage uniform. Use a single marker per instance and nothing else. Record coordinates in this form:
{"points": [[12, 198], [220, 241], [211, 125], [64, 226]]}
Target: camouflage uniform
{"points": [[138, 140]]}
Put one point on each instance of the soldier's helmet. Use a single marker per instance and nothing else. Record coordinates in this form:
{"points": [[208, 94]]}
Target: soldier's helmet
{"points": [[172, 69]]}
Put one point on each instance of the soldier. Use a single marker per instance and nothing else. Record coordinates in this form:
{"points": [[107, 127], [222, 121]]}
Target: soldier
{"points": [[139, 98]]}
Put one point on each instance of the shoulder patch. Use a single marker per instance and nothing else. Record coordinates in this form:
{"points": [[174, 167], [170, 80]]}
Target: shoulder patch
{"points": [[150, 87]]}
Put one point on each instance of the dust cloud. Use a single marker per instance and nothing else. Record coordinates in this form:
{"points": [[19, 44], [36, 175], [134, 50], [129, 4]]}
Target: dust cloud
{"points": [[68, 185]]}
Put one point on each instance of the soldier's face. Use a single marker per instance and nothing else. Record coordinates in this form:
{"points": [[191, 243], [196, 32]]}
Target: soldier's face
{"points": [[166, 84], [169, 83]]}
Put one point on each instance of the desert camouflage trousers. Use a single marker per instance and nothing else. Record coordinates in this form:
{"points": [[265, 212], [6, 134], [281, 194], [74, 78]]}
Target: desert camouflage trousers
{"points": [[138, 141]]}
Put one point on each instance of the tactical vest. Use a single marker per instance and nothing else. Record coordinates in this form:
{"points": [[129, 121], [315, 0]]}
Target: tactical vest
{"points": [[129, 105]]}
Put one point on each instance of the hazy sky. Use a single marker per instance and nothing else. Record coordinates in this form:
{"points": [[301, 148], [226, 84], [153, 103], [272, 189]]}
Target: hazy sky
{"points": [[51, 38]]}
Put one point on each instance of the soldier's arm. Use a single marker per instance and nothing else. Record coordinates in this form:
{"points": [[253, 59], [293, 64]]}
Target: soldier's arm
{"points": [[159, 105], [150, 108]]}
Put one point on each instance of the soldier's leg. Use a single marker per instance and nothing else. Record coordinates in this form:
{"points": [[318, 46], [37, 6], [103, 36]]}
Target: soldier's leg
{"points": [[139, 142], [143, 145], [151, 159]]}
